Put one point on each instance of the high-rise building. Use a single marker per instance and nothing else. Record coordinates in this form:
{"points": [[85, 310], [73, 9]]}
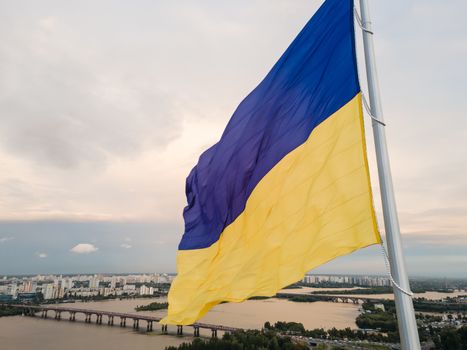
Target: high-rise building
{"points": [[94, 282], [48, 291], [27, 287], [145, 290], [67, 283]]}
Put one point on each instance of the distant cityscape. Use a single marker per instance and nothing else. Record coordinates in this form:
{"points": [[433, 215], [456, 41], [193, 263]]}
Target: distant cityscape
{"points": [[53, 287], [365, 281], [82, 286], [87, 286]]}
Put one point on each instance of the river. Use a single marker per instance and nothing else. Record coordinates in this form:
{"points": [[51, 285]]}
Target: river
{"points": [[21, 332]]}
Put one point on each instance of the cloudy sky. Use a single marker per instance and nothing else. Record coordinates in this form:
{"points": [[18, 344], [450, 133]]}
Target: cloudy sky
{"points": [[106, 105]]}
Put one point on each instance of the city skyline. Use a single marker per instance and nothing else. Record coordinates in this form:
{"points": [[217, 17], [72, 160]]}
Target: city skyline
{"points": [[53, 287], [100, 126]]}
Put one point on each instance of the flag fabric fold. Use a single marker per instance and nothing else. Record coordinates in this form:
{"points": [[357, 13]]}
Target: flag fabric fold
{"points": [[287, 187]]}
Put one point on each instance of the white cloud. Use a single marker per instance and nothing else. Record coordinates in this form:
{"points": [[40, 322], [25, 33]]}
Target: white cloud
{"points": [[48, 23], [42, 255], [5, 239], [84, 248], [125, 245]]}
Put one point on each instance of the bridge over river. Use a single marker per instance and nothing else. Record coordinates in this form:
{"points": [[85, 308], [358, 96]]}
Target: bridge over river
{"points": [[120, 318]]}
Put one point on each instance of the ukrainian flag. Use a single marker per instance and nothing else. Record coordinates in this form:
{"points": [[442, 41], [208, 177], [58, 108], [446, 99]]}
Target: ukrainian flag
{"points": [[287, 187]]}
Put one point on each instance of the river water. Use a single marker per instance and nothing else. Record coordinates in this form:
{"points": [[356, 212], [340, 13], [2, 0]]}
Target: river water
{"points": [[21, 332]]}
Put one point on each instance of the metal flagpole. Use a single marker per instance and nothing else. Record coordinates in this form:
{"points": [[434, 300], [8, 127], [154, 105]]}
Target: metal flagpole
{"points": [[404, 307]]}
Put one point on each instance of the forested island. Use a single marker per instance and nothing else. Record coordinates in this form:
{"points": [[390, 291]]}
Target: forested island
{"points": [[152, 307]]}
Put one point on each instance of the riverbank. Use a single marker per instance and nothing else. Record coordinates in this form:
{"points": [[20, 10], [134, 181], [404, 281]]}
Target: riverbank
{"points": [[9, 311], [429, 295]]}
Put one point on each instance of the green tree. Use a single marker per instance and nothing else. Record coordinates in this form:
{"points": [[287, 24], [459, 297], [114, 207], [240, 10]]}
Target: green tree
{"points": [[463, 337], [274, 344], [450, 339]]}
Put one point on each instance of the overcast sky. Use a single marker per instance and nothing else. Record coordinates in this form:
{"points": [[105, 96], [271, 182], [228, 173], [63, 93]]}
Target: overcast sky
{"points": [[105, 107]]}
